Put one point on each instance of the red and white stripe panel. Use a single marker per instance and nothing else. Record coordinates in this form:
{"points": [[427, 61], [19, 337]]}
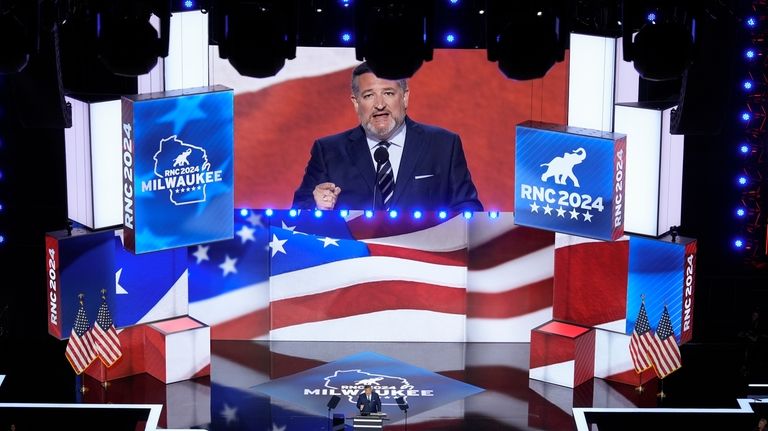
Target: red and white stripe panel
{"points": [[612, 359], [562, 354], [177, 349], [590, 280]]}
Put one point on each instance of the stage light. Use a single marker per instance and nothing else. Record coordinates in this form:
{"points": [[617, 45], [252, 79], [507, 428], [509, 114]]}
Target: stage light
{"points": [[417, 214], [344, 213], [293, 212], [660, 49], [268, 212], [2, 239], [481, 11], [18, 34], [394, 54], [244, 212], [368, 213], [189, 4], [467, 215], [741, 212], [738, 243], [453, 2], [747, 85], [255, 36], [744, 149], [393, 214], [1, 207], [751, 22], [750, 53], [346, 37], [442, 214], [126, 42], [526, 37], [345, 3], [746, 116], [493, 214], [450, 38], [318, 213], [742, 180]]}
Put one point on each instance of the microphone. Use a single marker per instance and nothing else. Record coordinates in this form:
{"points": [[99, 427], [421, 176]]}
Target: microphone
{"points": [[381, 156]]}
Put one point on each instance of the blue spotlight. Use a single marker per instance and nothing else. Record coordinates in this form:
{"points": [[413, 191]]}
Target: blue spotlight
{"points": [[244, 212], [742, 180], [651, 17], [453, 1], [189, 4], [738, 243], [751, 22], [346, 37], [741, 212], [345, 3], [467, 215], [442, 214], [292, 212], [745, 116], [1, 207], [493, 214], [450, 38], [750, 53], [747, 85], [318, 213], [393, 214], [344, 213], [417, 214], [2, 239], [268, 212], [744, 149], [368, 213]]}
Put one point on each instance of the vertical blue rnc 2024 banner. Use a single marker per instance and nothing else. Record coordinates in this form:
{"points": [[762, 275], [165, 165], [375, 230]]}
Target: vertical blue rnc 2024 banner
{"points": [[178, 168], [570, 180]]}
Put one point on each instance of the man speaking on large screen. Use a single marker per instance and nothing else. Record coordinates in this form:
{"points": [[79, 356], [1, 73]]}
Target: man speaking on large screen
{"points": [[389, 161]]}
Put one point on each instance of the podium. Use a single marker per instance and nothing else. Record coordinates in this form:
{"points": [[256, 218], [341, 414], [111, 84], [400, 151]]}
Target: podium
{"points": [[371, 422]]}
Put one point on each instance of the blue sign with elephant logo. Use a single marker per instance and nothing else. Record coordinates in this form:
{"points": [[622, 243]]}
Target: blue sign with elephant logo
{"points": [[570, 180]]}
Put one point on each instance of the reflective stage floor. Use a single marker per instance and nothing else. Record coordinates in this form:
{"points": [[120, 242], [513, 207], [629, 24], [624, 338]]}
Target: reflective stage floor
{"points": [[447, 386]]}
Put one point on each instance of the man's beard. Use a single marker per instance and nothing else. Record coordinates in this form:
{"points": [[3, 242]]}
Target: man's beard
{"points": [[381, 132]]}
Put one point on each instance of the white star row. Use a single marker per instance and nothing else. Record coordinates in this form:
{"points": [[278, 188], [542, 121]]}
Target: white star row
{"points": [[561, 212], [277, 244], [187, 189]]}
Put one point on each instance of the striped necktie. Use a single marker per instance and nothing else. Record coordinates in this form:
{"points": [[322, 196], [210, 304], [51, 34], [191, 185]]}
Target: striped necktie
{"points": [[385, 178]]}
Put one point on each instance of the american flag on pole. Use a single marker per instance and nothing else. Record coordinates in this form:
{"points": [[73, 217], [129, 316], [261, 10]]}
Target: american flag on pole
{"points": [[105, 341], [80, 350], [665, 352], [641, 342]]}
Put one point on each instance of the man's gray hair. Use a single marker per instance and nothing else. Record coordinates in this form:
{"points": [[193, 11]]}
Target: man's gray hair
{"points": [[364, 68]]}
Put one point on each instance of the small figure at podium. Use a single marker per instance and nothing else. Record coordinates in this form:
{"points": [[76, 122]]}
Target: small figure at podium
{"points": [[368, 402]]}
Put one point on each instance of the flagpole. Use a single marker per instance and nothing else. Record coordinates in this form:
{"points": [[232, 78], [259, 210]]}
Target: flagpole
{"points": [[661, 393]]}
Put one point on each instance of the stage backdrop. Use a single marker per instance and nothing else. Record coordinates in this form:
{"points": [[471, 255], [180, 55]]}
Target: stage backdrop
{"points": [[277, 119]]}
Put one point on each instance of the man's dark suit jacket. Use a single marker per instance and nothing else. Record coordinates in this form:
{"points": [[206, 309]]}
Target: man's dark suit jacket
{"points": [[373, 406], [433, 173]]}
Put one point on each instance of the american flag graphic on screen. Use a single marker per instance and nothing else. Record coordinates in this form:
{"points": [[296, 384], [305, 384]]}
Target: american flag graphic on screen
{"points": [[665, 352]]}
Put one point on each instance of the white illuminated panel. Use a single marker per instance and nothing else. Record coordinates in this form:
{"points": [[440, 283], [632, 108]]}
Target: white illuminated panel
{"points": [[627, 78], [654, 168], [187, 63], [93, 163], [591, 82], [152, 82]]}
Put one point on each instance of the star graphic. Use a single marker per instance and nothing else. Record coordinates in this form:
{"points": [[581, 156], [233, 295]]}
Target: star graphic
{"points": [[574, 214], [119, 290], [534, 207], [228, 266], [277, 245], [187, 109], [255, 219], [329, 241], [202, 253], [560, 212], [547, 209], [286, 227], [588, 217], [246, 233], [277, 428], [229, 414]]}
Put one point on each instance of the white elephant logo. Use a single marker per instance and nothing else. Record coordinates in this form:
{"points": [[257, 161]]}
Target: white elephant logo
{"points": [[562, 167]]}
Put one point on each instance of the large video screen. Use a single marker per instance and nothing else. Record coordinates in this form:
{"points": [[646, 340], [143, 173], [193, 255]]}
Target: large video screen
{"points": [[277, 119]]}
